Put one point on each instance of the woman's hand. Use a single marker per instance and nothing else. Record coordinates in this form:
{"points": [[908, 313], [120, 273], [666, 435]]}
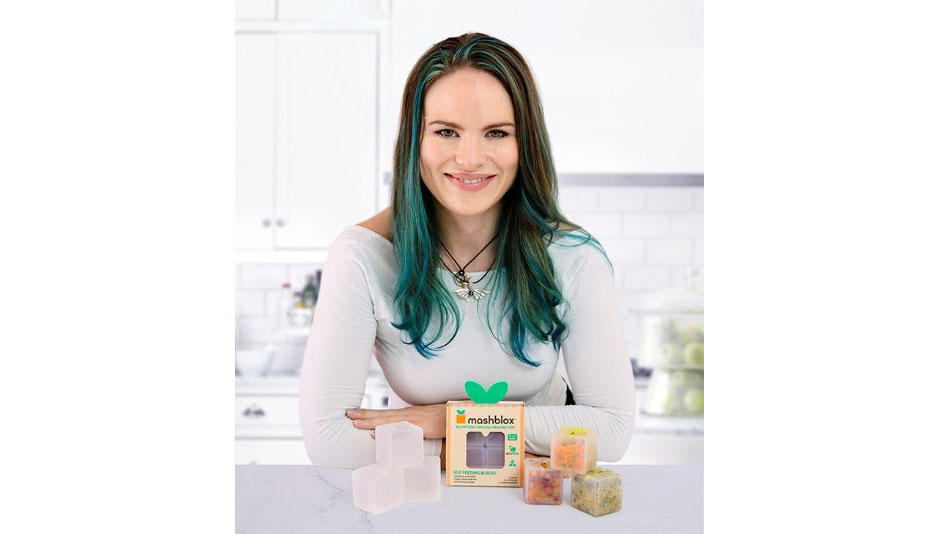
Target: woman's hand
{"points": [[430, 418]]}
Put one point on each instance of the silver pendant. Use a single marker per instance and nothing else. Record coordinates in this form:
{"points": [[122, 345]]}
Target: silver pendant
{"points": [[469, 293], [466, 290]]}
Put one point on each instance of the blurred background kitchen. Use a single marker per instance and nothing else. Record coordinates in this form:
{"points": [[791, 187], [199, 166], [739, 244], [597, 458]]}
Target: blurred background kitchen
{"points": [[318, 88]]}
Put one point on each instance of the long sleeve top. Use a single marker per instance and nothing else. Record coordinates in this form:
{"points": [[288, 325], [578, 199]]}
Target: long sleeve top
{"points": [[353, 321]]}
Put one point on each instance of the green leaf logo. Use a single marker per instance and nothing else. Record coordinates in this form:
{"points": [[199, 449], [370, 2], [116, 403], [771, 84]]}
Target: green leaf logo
{"points": [[461, 412], [477, 394]]}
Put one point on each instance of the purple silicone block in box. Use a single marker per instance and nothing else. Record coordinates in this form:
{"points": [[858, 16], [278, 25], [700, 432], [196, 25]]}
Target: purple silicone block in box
{"points": [[495, 439], [475, 439], [494, 457], [475, 457]]}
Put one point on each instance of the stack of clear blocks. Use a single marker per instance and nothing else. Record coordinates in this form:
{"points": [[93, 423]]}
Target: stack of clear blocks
{"points": [[401, 473]]}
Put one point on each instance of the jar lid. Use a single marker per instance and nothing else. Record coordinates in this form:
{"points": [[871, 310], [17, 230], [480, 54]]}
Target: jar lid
{"points": [[688, 298]]}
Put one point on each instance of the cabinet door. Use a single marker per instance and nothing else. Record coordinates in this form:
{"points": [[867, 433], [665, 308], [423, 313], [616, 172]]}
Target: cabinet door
{"points": [[254, 140], [254, 9], [326, 9], [327, 174]]}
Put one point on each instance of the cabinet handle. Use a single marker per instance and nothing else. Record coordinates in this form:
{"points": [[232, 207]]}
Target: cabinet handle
{"points": [[280, 222], [253, 411], [266, 223]]}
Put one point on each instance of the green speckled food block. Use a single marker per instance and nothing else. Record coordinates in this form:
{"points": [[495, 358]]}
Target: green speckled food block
{"points": [[597, 492]]}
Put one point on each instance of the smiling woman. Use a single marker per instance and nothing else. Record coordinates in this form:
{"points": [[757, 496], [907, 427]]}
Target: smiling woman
{"points": [[475, 249]]}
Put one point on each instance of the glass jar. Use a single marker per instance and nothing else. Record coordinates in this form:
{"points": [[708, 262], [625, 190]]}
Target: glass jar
{"points": [[675, 392], [672, 327]]}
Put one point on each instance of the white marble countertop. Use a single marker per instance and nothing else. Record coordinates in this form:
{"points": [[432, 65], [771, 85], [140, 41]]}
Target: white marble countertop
{"points": [[305, 499]]}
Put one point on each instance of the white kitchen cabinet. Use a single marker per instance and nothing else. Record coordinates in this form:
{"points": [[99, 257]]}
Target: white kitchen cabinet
{"points": [[317, 9], [255, 9], [254, 139], [327, 167], [267, 418], [306, 136]]}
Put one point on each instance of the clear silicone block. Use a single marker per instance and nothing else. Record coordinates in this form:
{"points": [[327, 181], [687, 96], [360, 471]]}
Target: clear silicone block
{"points": [[574, 449], [542, 484], [378, 488], [423, 482], [399, 444], [598, 492]]}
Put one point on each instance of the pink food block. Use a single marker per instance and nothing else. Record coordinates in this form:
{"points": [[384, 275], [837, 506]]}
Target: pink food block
{"points": [[542, 484]]}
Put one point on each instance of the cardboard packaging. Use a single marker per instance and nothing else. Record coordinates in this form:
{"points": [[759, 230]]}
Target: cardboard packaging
{"points": [[485, 443]]}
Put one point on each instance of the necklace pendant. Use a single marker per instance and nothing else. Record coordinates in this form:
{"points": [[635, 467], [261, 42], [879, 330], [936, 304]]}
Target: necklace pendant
{"points": [[469, 293]]}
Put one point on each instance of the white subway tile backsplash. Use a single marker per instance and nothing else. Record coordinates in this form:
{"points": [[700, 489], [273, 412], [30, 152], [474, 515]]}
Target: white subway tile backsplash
{"points": [[678, 276], [274, 304], [669, 199], [299, 272], [624, 250], [256, 329], [621, 198], [249, 302], [576, 199], [263, 275], [644, 277], [686, 225], [668, 251], [599, 224], [645, 224], [698, 200]]}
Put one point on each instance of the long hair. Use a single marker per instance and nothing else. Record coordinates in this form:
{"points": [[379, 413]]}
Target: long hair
{"points": [[525, 284]]}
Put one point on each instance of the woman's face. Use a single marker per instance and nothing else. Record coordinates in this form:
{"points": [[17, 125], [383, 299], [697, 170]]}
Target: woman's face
{"points": [[468, 128]]}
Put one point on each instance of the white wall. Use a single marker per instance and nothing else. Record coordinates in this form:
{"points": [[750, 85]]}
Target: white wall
{"points": [[621, 81]]}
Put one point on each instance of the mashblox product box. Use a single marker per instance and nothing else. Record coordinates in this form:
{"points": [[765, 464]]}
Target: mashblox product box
{"points": [[485, 443]]}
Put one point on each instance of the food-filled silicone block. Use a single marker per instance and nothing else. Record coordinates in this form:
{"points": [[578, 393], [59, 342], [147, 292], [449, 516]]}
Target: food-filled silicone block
{"points": [[494, 457], [475, 457], [377, 488], [399, 444], [574, 449], [598, 492], [423, 482], [495, 439], [475, 439], [543, 485]]}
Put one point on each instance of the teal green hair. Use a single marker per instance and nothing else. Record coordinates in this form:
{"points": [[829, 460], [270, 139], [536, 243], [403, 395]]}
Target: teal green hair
{"points": [[526, 285]]}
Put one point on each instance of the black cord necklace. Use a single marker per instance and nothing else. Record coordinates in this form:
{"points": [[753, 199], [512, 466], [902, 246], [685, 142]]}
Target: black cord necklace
{"points": [[464, 285]]}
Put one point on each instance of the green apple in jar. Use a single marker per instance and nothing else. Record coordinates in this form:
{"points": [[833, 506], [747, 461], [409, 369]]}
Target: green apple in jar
{"points": [[694, 333], [694, 401], [694, 354]]}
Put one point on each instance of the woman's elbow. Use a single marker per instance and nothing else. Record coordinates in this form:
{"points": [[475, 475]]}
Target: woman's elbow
{"points": [[615, 448], [322, 455]]}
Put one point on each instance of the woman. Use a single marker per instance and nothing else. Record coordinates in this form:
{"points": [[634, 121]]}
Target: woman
{"points": [[474, 253]]}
